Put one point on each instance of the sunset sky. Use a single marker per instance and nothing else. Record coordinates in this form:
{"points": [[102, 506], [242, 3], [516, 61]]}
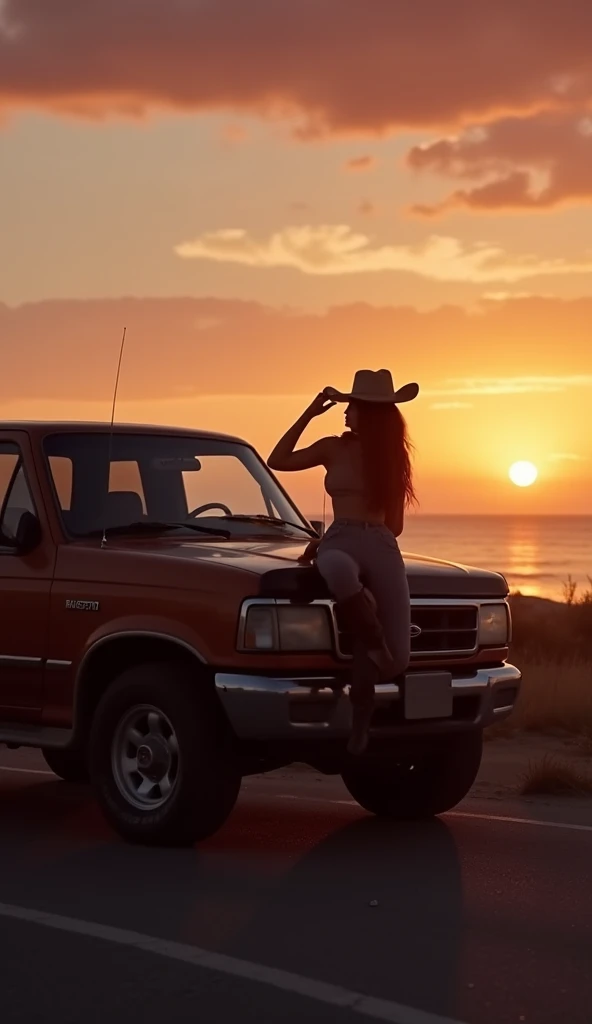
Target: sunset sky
{"points": [[269, 195]]}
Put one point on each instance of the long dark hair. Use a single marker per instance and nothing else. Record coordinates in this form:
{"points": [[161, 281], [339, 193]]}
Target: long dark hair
{"points": [[386, 452]]}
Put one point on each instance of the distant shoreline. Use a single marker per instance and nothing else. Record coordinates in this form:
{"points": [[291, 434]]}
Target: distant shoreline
{"points": [[478, 515]]}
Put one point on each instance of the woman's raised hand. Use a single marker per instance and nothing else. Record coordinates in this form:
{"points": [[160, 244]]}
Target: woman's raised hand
{"points": [[319, 405]]}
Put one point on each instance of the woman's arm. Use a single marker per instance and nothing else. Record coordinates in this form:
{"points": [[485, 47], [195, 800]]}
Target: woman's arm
{"points": [[283, 457]]}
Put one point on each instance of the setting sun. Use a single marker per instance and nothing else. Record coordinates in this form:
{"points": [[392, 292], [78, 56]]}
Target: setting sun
{"points": [[523, 474]]}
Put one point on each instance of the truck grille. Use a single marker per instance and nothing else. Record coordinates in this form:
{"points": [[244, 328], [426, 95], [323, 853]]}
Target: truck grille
{"points": [[444, 630]]}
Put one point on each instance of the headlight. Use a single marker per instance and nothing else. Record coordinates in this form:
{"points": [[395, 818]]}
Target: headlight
{"points": [[270, 627], [493, 625], [261, 629]]}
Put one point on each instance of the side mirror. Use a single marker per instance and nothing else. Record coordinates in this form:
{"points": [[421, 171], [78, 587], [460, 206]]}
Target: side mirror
{"points": [[318, 525], [28, 533]]}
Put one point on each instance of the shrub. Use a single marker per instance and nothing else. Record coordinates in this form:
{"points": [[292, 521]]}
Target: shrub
{"points": [[550, 631], [551, 777]]}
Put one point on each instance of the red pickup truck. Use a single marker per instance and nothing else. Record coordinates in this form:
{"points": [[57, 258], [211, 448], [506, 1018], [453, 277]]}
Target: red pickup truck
{"points": [[159, 637]]}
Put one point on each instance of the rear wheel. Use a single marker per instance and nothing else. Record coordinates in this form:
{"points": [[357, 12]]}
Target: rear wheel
{"points": [[161, 760], [69, 765], [421, 787]]}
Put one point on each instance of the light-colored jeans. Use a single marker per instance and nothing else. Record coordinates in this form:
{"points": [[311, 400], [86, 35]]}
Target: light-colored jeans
{"points": [[352, 555]]}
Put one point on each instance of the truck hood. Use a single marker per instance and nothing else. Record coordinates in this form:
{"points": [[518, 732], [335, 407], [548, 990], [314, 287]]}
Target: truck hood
{"points": [[427, 577], [275, 562]]}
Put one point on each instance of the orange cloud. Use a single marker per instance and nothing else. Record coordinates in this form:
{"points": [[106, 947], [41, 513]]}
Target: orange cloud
{"points": [[360, 163], [536, 163], [333, 64], [178, 348], [335, 249]]}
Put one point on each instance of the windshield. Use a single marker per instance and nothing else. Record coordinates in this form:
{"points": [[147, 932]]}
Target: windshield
{"points": [[102, 483]]}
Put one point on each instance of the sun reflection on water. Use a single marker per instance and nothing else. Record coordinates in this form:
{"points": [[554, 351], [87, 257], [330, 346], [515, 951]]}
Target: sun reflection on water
{"points": [[524, 559]]}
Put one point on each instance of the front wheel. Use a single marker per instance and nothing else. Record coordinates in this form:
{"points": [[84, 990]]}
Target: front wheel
{"points": [[412, 788], [161, 763]]}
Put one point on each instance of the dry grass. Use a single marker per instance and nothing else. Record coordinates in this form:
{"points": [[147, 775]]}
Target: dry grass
{"points": [[547, 631], [554, 697], [552, 646], [573, 595], [552, 777]]}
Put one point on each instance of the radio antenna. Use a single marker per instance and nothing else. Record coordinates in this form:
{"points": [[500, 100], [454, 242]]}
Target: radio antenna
{"points": [[110, 449]]}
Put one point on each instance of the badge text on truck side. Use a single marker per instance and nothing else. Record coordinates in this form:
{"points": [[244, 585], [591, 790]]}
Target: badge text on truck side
{"points": [[82, 606]]}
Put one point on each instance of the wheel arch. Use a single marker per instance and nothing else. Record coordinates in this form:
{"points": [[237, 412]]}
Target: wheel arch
{"points": [[111, 655]]}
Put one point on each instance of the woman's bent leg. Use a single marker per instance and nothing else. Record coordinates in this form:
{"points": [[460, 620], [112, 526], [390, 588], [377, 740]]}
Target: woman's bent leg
{"points": [[384, 571], [358, 609], [371, 658], [340, 572]]}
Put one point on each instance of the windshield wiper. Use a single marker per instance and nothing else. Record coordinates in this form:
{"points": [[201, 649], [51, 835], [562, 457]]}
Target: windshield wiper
{"points": [[154, 526], [274, 520]]}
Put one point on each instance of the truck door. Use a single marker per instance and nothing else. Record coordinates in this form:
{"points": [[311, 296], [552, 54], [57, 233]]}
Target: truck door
{"points": [[25, 583]]}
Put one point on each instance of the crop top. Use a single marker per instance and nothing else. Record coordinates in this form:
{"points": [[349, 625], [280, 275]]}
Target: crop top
{"points": [[345, 476]]}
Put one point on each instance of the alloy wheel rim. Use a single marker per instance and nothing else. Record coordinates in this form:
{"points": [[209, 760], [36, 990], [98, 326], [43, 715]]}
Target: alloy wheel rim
{"points": [[145, 757]]}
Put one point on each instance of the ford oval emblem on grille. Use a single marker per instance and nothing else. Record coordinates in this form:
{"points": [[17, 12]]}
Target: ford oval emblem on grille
{"points": [[415, 630]]}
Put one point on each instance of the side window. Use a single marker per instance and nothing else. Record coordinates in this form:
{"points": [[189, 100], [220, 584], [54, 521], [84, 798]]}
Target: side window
{"points": [[61, 471], [124, 475], [15, 496]]}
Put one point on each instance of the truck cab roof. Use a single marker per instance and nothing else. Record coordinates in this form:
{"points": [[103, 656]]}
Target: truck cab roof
{"points": [[40, 428]]}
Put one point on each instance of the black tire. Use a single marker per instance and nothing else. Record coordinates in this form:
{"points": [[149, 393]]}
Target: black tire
{"points": [[421, 787], [69, 765], [207, 779]]}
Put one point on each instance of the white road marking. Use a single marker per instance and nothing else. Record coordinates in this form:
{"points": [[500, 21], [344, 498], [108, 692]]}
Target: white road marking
{"points": [[296, 984], [352, 803], [449, 814], [315, 799], [520, 821]]}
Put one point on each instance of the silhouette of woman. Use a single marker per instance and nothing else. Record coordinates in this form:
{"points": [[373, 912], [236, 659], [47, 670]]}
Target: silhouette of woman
{"points": [[369, 480]]}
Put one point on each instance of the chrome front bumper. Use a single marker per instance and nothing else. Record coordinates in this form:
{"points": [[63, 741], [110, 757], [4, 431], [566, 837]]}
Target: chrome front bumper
{"points": [[271, 708]]}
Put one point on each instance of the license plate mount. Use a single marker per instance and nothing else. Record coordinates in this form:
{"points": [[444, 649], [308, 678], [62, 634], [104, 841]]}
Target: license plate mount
{"points": [[428, 695]]}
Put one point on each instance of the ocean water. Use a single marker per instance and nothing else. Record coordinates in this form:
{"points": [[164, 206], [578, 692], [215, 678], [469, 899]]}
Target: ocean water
{"points": [[536, 554]]}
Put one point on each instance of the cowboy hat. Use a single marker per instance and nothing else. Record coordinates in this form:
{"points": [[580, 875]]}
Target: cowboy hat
{"points": [[374, 386]]}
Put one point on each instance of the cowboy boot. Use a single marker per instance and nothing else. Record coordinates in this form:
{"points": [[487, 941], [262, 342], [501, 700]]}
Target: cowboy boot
{"points": [[363, 678], [372, 662], [359, 616]]}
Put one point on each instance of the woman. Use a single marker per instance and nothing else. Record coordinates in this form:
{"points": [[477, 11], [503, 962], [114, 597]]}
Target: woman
{"points": [[370, 483]]}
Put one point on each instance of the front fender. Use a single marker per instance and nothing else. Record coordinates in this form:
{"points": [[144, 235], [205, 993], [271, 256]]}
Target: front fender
{"points": [[156, 626]]}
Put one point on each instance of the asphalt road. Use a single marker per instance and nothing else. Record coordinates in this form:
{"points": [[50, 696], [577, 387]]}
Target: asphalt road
{"points": [[478, 919]]}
